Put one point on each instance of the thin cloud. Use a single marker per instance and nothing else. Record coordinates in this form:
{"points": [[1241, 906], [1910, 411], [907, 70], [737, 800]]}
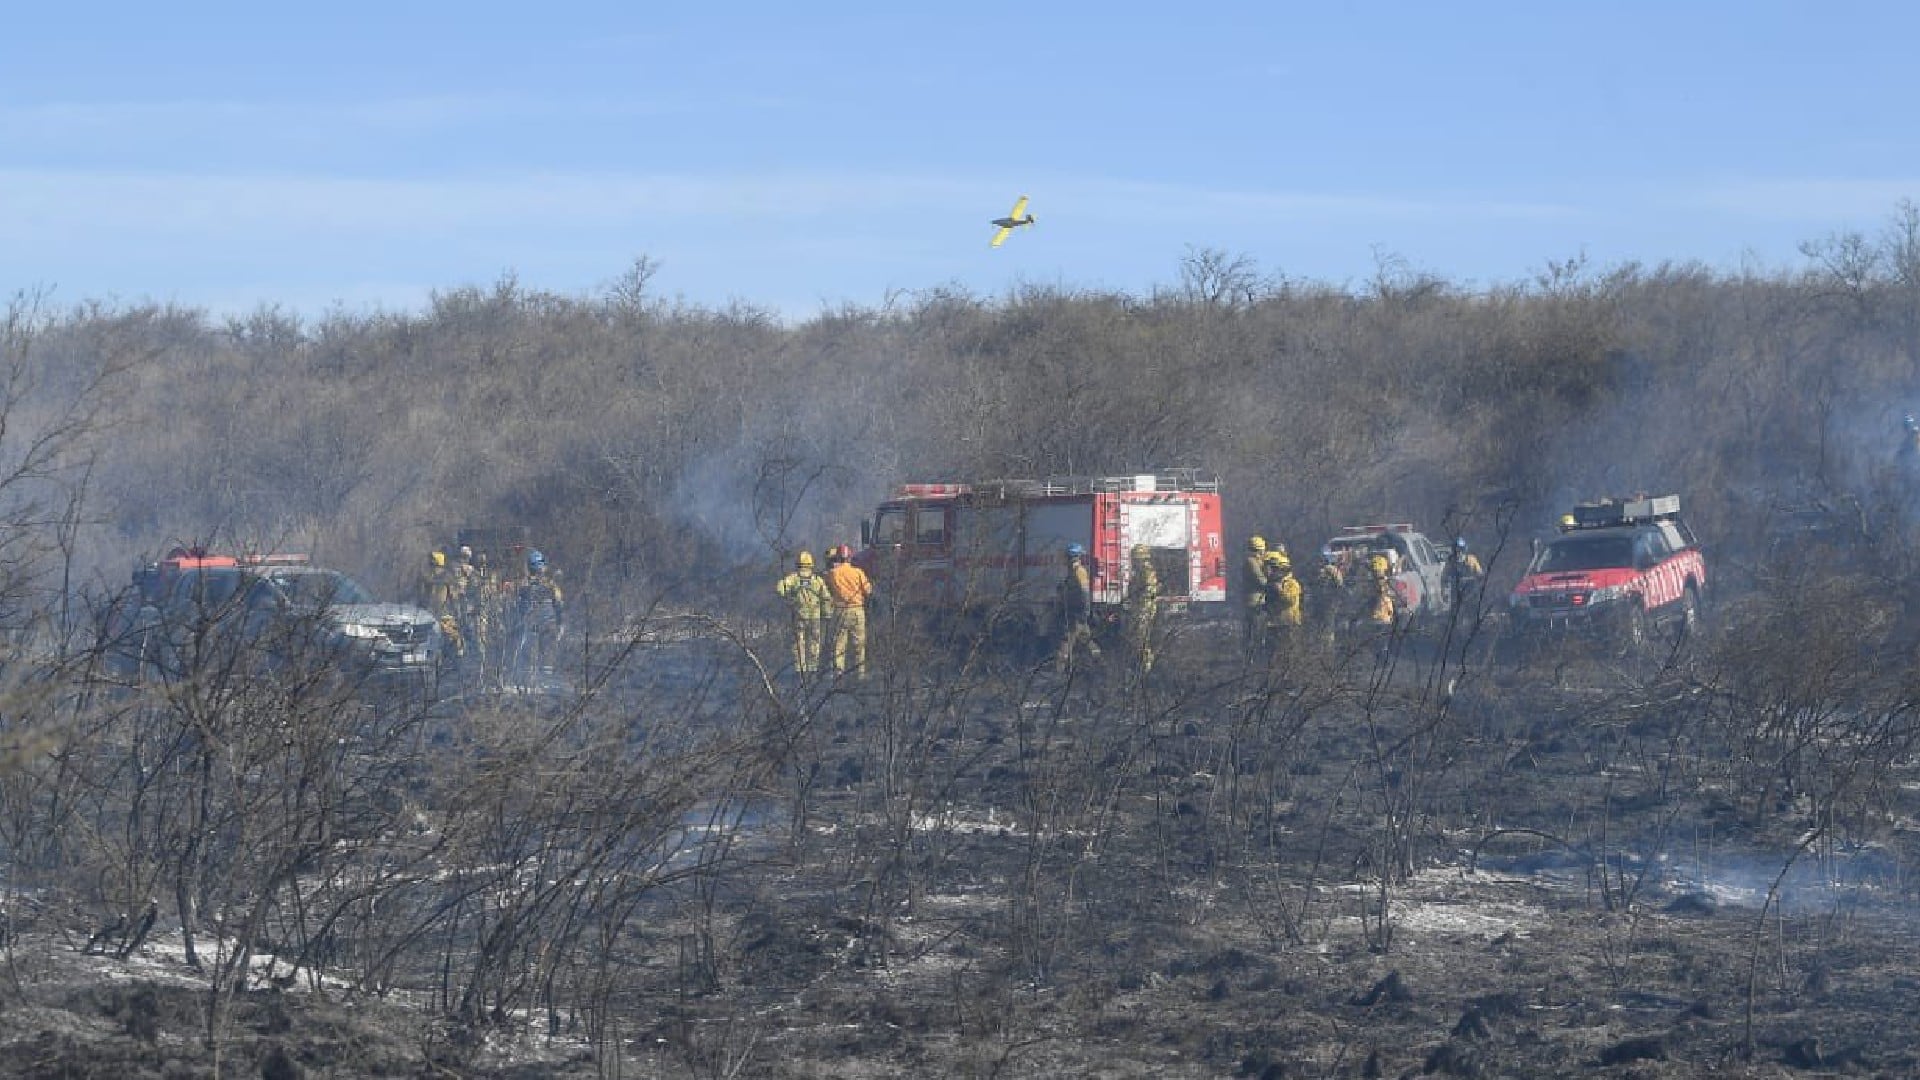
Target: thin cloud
{"points": [[25, 128], [1812, 200], [1158, 201], [185, 202]]}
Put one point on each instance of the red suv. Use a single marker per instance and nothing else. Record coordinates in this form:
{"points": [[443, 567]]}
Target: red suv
{"points": [[1619, 569]]}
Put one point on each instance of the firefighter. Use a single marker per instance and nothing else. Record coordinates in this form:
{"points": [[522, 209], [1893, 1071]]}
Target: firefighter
{"points": [[1323, 600], [469, 596], [463, 570], [1076, 610], [806, 594], [489, 617], [1141, 605], [1380, 609], [1285, 613], [542, 612], [849, 589], [1378, 601], [1253, 580], [1464, 573], [440, 594]]}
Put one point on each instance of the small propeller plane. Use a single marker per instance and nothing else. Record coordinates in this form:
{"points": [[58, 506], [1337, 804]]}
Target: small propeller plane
{"points": [[1012, 221]]}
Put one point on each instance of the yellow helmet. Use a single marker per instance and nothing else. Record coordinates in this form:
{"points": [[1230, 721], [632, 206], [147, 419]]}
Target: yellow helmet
{"points": [[804, 560], [439, 559], [1279, 560], [1141, 553], [1566, 521], [1378, 563], [1256, 543]]}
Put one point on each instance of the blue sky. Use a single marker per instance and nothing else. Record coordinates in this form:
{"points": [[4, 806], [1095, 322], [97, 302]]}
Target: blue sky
{"points": [[230, 156]]}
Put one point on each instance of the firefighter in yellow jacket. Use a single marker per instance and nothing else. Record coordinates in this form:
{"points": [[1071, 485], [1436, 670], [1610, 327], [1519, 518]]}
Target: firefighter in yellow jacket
{"points": [[1141, 606], [1076, 610], [1253, 584], [806, 594], [1379, 592], [1378, 603], [1285, 614], [848, 589], [440, 594]]}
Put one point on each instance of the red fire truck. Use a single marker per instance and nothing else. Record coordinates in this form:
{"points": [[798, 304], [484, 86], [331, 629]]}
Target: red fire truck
{"points": [[998, 548]]}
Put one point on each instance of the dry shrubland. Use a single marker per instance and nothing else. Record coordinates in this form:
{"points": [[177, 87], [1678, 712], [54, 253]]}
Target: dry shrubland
{"points": [[655, 441], [688, 863]]}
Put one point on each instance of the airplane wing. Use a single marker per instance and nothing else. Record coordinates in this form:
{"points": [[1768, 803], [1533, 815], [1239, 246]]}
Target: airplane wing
{"points": [[1019, 207], [1001, 236]]}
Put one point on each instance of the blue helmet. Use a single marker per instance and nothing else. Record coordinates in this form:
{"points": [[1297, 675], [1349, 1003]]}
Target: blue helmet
{"points": [[536, 562], [1460, 542], [1075, 551]]}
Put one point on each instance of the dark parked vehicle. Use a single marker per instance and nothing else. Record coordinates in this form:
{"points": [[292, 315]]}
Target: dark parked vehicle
{"points": [[274, 613]]}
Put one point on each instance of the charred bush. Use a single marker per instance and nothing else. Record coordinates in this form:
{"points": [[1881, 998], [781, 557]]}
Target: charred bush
{"points": [[1640, 1048]]}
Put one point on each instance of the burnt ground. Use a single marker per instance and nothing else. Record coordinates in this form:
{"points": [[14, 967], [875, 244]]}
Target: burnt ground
{"points": [[1581, 868]]}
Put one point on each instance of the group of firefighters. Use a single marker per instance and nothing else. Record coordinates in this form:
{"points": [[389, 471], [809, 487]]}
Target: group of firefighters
{"points": [[829, 613], [1348, 590], [1351, 591], [508, 629]]}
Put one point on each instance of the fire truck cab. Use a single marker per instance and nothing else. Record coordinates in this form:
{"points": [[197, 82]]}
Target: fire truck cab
{"points": [[1000, 545]]}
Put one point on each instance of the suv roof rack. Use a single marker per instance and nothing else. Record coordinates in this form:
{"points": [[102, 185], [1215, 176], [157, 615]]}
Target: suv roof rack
{"points": [[274, 559], [1633, 510]]}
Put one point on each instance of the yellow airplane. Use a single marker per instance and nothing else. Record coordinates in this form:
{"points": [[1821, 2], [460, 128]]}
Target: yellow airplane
{"points": [[1012, 221]]}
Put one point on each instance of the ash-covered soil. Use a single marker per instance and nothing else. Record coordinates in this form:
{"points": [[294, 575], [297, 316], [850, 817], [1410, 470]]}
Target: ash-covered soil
{"points": [[1335, 869]]}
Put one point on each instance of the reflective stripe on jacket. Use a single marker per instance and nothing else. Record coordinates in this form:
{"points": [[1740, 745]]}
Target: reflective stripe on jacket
{"points": [[806, 592]]}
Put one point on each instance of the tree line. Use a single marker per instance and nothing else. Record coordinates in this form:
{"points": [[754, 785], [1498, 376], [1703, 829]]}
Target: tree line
{"points": [[661, 444]]}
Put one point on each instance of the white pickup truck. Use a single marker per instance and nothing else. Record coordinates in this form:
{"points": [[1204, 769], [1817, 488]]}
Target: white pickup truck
{"points": [[1420, 575]]}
